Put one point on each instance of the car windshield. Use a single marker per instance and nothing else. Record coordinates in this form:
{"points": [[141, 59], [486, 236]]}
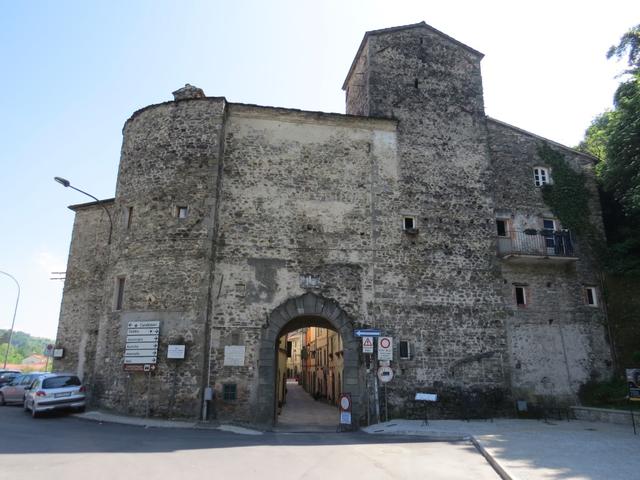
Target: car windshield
{"points": [[60, 382]]}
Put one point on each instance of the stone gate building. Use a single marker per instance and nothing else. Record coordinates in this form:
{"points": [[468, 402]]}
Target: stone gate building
{"points": [[414, 213]]}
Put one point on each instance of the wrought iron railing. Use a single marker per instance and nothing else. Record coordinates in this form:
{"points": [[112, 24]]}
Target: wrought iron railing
{"points": [[546, 243]]}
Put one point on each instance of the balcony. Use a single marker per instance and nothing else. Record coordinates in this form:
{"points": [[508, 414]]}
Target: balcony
{"points": [[532, 246]]}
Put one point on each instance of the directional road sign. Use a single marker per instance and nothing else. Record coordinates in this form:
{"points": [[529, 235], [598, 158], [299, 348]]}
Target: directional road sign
{"points": [[148, 324], [143, 331], [366, 332], [130, 360]]}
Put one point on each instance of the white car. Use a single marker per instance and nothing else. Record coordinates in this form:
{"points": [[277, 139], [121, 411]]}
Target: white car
{"points": [[55, 391]]}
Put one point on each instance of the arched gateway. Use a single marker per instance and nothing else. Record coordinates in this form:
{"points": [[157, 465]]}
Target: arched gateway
{"points": [[308, 310]]}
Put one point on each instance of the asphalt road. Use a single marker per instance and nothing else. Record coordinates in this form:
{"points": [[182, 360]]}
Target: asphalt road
{"points": [[65, 447]]}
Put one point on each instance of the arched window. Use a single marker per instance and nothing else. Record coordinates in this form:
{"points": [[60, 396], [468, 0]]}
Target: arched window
{"points": [[541, 175]]}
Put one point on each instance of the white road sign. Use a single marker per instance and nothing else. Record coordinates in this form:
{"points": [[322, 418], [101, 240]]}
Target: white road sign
{"points": [[143, 331], [175, 351], [151, 352], [385, 348], [367, 344], [142, 343], [427, 397], [151, 324], [142, 346], [138, 360], [142, 338], [385, 374]]}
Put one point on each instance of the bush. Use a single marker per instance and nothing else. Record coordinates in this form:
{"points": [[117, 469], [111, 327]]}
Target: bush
{"points": [[608, 393]]}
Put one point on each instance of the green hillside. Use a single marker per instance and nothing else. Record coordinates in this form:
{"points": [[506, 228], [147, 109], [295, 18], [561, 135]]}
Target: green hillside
{"points": [[22, 346]]}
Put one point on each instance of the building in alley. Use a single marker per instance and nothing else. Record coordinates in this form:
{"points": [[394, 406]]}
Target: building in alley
{"points": [[414, 213]]}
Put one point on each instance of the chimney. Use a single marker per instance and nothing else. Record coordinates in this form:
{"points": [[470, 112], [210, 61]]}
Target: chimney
{"points": [[188, 92]]}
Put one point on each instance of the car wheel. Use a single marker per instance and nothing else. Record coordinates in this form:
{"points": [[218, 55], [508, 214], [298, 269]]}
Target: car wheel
{"points": [[80, 409], [2, 402]]}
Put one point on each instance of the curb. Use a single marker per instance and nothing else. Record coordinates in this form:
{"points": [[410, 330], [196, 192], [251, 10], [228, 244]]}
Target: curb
{"points": [[492, 461], [165, 424]]}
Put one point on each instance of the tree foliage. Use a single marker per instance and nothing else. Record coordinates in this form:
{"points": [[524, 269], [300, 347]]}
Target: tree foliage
{"points": [[23, 345], [629, 46], [614, 138]]}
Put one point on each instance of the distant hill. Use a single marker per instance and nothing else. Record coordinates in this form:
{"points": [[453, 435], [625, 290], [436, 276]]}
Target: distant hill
{"points": [[23, 345]]}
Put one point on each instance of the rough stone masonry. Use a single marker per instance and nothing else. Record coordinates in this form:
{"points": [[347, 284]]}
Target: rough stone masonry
{"points": [[409, 212]]}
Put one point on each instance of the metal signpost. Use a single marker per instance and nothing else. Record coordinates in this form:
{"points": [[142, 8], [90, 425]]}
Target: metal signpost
{"points": [[385, 375], [345, 409], [633, 382], [426, 397]]}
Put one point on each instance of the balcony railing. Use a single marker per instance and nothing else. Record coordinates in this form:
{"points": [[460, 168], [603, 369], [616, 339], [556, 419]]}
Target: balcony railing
{"points": [[537, 243]]}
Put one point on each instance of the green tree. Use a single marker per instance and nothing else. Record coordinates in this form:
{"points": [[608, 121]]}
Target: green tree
{"points": [[614, 138], [629, 46]]}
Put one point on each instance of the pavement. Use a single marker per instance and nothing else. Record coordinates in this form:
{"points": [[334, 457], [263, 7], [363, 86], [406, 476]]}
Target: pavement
{"points": [[301, 413], [535, 449], [517, 449]]}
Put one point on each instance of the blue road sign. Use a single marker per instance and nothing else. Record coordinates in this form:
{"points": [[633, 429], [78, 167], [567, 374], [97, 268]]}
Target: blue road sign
{"points": [[366, 332]]}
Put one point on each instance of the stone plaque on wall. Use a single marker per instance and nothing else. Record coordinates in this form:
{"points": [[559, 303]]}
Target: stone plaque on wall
{"points": [[234, 356]]}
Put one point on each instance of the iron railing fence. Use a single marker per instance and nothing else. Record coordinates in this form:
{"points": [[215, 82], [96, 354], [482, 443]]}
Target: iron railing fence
{"points": [[546, 243]]}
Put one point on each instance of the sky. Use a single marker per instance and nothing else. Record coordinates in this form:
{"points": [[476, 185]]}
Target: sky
{"points": [[74, 71]]}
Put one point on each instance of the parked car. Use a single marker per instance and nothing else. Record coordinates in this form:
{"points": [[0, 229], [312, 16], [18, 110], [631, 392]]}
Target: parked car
{"points": [[54, 391], [14, 391], [7, 375]]}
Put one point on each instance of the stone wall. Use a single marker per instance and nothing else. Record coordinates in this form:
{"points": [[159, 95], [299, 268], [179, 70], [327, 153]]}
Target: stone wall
{"points": [[83, 295], [438, 289], [170, 159], [556, 342], [296, 201], [297, 219]]}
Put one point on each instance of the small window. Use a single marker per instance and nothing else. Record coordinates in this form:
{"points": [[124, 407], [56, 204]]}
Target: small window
{"points": [[128, 216], [591, 297], [409, 223], [119, 292], [541, 176], [501, 225], [229, 392], [182, 212], [405, 350], [521, 296]]}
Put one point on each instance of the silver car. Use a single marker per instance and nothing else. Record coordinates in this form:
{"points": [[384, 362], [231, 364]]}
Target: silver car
{"points": [[14, 391], [54, 391]]}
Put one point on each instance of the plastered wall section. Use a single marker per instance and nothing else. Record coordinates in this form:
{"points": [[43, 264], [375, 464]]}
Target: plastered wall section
{"points": [[296, 200], [557, 341], [440, 289], [170, 159]]}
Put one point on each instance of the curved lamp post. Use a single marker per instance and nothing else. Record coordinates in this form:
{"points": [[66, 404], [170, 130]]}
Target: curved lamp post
{"points": [[66, 183], [6, 354]]}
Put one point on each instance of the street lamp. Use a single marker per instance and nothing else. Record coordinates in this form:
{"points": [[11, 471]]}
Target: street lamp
{"points": [[66, 183], [6, 355]]}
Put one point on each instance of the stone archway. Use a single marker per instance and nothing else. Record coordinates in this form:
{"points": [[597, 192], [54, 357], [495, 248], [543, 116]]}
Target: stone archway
{"points": [[292, 314]]}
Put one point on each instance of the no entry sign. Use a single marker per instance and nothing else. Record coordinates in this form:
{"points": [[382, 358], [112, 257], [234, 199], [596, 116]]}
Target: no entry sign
{"points": [[385, 348]]}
